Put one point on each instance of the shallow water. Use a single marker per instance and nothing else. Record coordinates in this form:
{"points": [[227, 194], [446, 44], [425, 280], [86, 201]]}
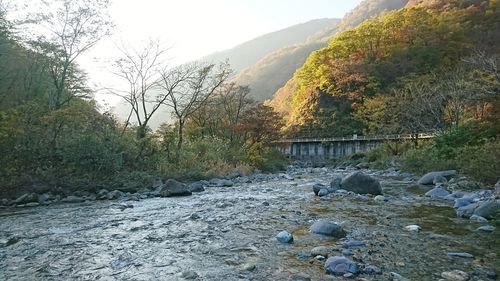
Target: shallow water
{"points": [[160, 238]]}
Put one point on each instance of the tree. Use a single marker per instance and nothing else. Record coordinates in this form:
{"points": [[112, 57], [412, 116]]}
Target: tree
{"points": [[141, 69], [74, 27], [187, 88]]}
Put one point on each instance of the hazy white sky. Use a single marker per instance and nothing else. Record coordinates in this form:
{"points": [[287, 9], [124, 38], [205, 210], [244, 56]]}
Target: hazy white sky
{"points": [[195, 28]]}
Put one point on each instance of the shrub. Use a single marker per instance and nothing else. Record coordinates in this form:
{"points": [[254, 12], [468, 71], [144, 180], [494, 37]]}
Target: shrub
{"points": [[482, 163]]}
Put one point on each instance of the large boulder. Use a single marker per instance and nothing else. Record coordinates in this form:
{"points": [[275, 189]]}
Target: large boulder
{"points": [[340, 265], [328, 228], [429, 177], [173, 188], [362, 184], [488, 209], [196, 187]]}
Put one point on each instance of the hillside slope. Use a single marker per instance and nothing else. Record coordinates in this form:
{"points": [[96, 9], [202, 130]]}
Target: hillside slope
{"points": [[272, 72]]}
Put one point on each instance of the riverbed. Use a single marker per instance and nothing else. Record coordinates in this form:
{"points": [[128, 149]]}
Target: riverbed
{"points": [[228, 233]]}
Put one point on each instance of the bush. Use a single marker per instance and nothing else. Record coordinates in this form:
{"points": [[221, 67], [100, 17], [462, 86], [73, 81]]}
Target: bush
{"points": [[481, 163]]}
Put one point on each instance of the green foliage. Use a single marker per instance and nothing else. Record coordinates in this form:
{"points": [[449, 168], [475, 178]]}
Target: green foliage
{"points": [[265, 159], [481, 162]]}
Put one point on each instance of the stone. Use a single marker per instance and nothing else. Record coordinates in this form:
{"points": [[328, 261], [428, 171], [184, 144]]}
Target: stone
{"points": [[429, 177], [413, 228], [486, 228], [326, 228], [439, 180], [284, 237], [73, 199], [196, 187], [317, 188], [361, 183], [488, 210], [26, 198], [460, 255], [323, 192], [477, 218], [371, 269], [221, 182], [115, 194], [437, 192], [43, 199], [249, 267], [380, 198], [455, 275], [467, 211], [398, 277], [303, 255], [353, 244], [462, 202], [321, 250], [320, 257], [347, 252], [335, 183], [189, 275], [102, 194], [340, 265], [173, 188]]}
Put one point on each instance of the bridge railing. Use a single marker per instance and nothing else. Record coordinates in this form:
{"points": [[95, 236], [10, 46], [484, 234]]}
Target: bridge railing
{"points": [[363, 138]]}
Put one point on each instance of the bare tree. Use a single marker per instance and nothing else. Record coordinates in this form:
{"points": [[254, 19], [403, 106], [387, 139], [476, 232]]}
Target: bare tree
{"points": [[188, 87], [141, 70]]}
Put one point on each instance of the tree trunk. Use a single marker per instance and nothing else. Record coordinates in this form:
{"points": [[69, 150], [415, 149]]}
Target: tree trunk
{"points": [[181, 136]]}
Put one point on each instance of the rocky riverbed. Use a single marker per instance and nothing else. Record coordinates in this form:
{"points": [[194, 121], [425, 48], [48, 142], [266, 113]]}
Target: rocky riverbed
{"points": [[229, 233]]}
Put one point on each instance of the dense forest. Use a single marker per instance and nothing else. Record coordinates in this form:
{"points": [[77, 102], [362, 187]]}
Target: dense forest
{"points": [[430, 67]]}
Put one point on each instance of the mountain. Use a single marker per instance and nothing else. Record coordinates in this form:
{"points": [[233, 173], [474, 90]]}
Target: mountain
{"points": [[270, 73], [361, 80], [248, 53]]}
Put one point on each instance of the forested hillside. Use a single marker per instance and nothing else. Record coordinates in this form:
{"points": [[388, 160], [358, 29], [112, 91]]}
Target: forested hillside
{"points": [[270, 73]]}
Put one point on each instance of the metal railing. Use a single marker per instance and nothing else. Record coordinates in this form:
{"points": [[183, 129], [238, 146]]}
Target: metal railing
{"points": [[362, 138]]}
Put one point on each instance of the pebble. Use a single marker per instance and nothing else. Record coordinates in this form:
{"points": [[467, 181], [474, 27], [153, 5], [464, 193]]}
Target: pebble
{"points": [[371, 269], [486, 228], [413, 228], [460, 255], [284, 237], [353, 244], [455, 275]]}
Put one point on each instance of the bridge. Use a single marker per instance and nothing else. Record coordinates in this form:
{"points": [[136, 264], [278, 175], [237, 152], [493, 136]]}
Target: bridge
{"points": [[325, 148]]}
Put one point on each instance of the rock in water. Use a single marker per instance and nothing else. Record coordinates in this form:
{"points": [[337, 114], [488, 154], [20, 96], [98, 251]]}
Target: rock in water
{"points": [[317, 188], [340, 266], [327, 228], [488, 210], [335, 183], [467, 211], [437, 192], [321, 250], [486, 228], [460, 255], [455, 275], [413, 228], [429, 177], [284, 237], [462, 202], [196, 187], [173, 188], [360, 183], [323, 192], [73, 199]]}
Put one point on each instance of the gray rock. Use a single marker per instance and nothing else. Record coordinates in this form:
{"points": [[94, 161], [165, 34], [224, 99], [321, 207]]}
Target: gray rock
{"points": [[321, 250], [488, 209], [26, 198], [429, 177], [439, 180], [460, 255], [189, 275], [360, 183], [455, 275], [371, 269], [462, 202], [73, 199], [477, 218], [115, 194], [44, 199], [317, 187], [173, 188], [380, 198], [323, 192], [335, 183], [467, 211], [323, 227], [284, 237], [437, 192], [303, 255], [102, 194], [486, 228], [340, 266], [221, 182], [398, 277], [196, 187], [353, 244]]}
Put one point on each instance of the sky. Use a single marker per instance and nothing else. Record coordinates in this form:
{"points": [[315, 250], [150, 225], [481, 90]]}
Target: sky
{"points": [[195, 28]]}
